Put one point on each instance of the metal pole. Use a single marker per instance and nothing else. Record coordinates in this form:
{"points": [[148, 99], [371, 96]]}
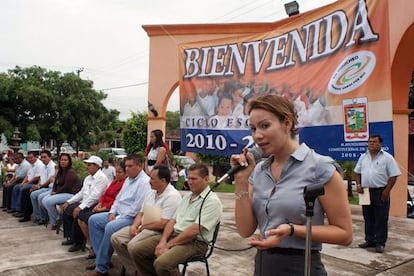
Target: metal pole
{"points": [[310, 193], [308, 246]]}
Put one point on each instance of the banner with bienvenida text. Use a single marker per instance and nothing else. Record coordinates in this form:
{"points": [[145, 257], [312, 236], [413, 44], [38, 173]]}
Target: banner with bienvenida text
{"points": [[332, 63]]}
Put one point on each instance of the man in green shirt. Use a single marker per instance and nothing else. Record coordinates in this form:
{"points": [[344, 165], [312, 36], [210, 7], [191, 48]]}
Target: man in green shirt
{"points": [[161, 254]]}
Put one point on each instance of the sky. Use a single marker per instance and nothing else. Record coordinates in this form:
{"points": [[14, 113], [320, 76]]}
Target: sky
{"points": [[104, 40]]}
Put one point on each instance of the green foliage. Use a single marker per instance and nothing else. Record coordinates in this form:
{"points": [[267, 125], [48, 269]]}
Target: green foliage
{"points": [[48, 105], [33, 133], [6, 127], [211, 159], [180, 184], [173, 120], [3, 176], [135, 133], [80, 167], [223, 188], [348, 169], [103, 155], [353, 200]]}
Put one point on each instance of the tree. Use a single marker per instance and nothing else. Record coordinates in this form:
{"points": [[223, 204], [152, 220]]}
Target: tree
{"points": [[49, 105], [348, 171], [173, 120], [135, 133]]}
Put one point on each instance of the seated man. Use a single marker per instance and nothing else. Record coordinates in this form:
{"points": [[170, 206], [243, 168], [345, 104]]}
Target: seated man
{"points": [[30, 196], [93, 187], [122, 213], [32, 178], [104, 204], [162, 253], [161, 203], [17, 178]]}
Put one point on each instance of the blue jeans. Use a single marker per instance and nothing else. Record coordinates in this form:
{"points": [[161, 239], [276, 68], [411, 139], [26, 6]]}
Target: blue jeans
{"points": [[100, 232], [50, 201], [376, 218], [17, 196], [36, 198]]}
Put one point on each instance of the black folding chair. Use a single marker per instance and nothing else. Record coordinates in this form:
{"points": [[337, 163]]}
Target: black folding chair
{"points": [[203, 258]]}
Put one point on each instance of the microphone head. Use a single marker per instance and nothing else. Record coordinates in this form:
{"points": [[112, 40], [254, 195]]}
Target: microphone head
{"points": [[257, 153]]}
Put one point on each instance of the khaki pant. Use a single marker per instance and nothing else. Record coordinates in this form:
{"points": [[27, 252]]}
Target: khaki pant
{"points": [[142, 252], [120, 241]]}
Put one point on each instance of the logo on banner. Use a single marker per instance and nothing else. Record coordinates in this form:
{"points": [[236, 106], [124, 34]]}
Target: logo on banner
{"points": [[355, 119], [353, 71]]}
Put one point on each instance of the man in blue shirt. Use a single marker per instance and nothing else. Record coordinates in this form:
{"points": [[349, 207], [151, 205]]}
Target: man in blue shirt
{"points": [[18, 177], [126, 206], [376, 170]]}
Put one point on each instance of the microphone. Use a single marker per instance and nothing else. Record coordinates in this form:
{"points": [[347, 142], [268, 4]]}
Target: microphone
{"points": [[257, 154]]}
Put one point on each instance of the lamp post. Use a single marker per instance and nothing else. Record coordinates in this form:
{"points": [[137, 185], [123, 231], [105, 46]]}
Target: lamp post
{"points": [[79, 70], [151, 108], [292, 8]]}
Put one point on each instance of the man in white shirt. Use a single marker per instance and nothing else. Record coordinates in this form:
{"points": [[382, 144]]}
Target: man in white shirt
{"points": [[159, 206], [93, 187], [108, 170], [32, 178], [30, 196], [377, 171]]}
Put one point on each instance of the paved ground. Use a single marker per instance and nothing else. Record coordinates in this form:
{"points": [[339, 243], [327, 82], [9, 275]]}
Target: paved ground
{"points": [[29, 249]]}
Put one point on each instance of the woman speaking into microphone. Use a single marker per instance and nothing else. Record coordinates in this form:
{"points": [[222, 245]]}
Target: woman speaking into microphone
{"points": [[269, 195]]}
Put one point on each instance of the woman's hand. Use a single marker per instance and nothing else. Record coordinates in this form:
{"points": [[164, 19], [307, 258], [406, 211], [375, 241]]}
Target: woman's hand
{"points": [[274, 237], [244, 159]]}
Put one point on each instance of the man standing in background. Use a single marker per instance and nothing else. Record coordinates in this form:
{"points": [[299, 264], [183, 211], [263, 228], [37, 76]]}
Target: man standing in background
{"points": [[108, 169], [376, 170]]}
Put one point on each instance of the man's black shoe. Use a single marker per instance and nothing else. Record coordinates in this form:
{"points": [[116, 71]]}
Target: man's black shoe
{"points": [[366, 245], [24, 219], [76, 247], [10, 211], [67, 242], [379, 248], [18, 215]]}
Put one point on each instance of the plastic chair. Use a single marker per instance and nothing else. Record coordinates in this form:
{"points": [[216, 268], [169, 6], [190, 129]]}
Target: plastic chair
{"points": [[203, 258]]}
